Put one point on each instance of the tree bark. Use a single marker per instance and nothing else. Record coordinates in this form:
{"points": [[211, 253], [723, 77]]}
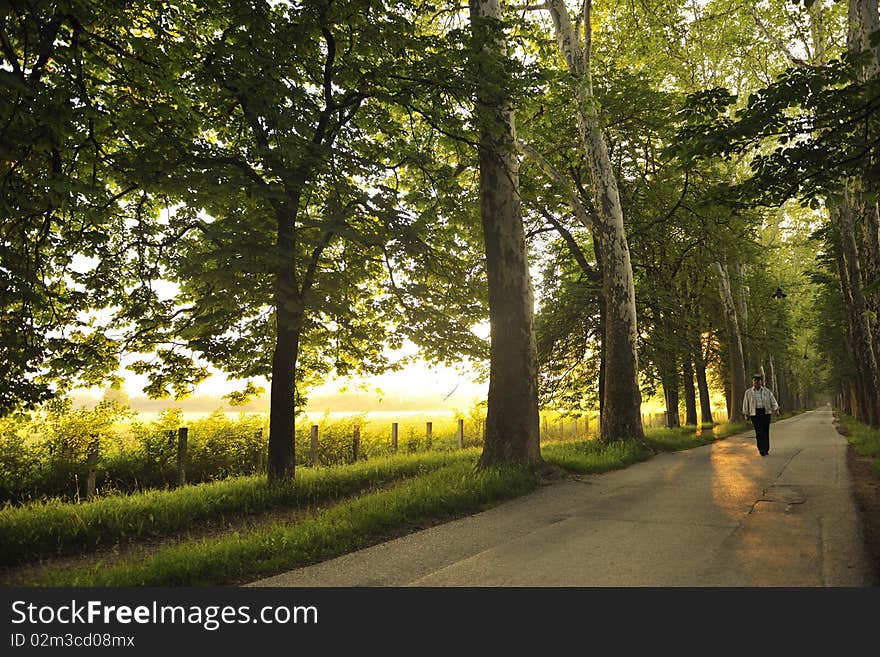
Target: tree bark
{"points": [[621, 417], [670, 395], [737, 376], [741, 298], [870, 239], [288, 324], [702, 383], [854, 300], [690, 396], [774, 384], [512, 431], [858, 210], [667, 365], [864, 20]]}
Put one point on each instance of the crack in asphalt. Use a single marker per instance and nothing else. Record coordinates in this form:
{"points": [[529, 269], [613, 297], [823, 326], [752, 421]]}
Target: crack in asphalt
{"points": [[779, 474]]}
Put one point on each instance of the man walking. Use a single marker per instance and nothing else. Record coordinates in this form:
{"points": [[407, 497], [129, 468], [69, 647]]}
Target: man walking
{"points": [[758, 405]]}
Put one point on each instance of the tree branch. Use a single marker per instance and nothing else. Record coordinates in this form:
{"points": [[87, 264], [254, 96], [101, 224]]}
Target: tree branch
{"points": [[797, 61], [572, 197], [573, 247]]}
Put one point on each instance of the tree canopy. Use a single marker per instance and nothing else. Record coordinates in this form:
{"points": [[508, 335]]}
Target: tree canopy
{"points": [[292, 190]]}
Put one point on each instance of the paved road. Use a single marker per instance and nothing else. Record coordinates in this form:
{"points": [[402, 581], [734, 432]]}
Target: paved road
{"points": [[719, 515]]}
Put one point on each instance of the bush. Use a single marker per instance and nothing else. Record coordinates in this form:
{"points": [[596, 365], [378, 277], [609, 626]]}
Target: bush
{"points": [[46, 457]]}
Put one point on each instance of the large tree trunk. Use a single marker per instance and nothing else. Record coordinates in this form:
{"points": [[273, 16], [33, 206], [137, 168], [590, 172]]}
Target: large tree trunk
{"points": [[737, 365], [870, 239], [851, 286], [512, 432], [690, 396], [281, 414], [288, 324], [621, 417], [858, 210], [602, 369], [864, 21]]}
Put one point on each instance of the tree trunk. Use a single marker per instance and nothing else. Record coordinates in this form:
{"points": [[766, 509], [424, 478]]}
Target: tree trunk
{"points": [[858, 209], [512, 424], [670, 395], [737, 364], [851, 286], [774, 384], [622, 418], [690, 396], [702, 384], [598, 254], [667, 366], [741, 298], [864, 21], [288, 324], [602, 371], [870, 239]]}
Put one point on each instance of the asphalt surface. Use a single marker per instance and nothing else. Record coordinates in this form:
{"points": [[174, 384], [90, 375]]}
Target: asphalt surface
{"points": [[718, 515]]}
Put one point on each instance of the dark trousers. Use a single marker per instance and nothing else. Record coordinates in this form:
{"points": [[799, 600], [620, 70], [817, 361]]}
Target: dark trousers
{"points": [[761, 422]]}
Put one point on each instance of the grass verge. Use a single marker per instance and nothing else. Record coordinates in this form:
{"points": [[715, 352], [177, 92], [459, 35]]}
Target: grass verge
{"points": [[678, 438], [591, 456], [55, 527], [865, 440], [443, 485], [450, 490]]}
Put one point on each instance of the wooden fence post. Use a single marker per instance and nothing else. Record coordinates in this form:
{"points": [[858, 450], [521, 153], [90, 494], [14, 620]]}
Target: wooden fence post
{"points": [[356, 444], [394, 436], [92, 464], [258, 450], [428, 431], [314, 445], [460, 433], [182, 440]]}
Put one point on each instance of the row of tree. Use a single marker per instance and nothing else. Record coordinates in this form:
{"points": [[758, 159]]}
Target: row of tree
{"points": [[322, 181]]}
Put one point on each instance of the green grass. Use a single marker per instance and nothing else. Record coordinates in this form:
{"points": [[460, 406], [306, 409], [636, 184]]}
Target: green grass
{"points": [[55, 527], [426, 488], [865, 440], [725, 429], [451, 490], [678, 438], [591, 456]]}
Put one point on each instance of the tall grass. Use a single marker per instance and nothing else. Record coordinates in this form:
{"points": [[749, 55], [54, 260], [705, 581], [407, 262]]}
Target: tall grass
{"points": [[725, 429], [54, 527], [450, 490], [592, 456], [441, 484], [865, 440], [673, 439]]}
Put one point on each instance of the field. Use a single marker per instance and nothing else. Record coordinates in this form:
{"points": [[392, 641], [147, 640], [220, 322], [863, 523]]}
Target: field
{"points": [[73, 453], [239, 528]]}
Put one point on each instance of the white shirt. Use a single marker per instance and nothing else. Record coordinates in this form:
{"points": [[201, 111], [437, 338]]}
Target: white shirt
{"points": [[760, 398]]}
